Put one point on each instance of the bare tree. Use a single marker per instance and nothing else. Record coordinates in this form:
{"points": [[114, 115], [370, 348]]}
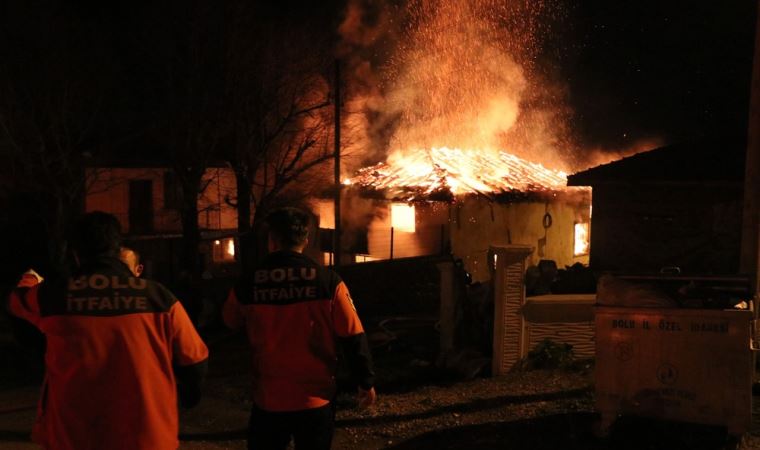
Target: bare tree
{"points": [[192, 115], [281, 124], [50, 108]]}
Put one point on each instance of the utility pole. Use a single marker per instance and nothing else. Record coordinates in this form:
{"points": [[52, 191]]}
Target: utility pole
{"points": [[750, 251], [338, 184]]}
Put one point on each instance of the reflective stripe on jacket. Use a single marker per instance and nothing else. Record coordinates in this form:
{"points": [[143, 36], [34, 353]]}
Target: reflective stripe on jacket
{"points": [[294, 311], [112, 340]]}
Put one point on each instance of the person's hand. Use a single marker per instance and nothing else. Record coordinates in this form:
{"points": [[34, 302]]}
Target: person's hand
{"points": [[365, 399]]}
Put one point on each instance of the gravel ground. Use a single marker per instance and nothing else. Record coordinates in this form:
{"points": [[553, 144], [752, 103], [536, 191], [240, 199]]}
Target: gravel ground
{"points": [[403, 416], [419, 408], [529, 410]]}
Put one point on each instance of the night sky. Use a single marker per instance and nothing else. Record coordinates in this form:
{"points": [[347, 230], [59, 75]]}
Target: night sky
{"points": [[636, 74], [657, 69], [635, 71]]}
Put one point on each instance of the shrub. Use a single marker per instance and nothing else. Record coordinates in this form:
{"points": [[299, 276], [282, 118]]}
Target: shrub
{"points": [[548, 354]]}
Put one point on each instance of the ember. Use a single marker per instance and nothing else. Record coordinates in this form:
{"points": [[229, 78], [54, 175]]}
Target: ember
{"points": [[458, 172]]}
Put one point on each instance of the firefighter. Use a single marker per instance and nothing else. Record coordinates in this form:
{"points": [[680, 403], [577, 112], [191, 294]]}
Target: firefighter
{"points": [[120, 351], [293, 311]]}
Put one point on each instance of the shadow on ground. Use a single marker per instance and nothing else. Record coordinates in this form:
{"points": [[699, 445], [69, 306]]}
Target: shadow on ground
{"points": [[465, 407], [571, 432]]}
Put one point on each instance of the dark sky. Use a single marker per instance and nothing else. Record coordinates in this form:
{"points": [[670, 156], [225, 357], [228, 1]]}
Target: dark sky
{"points": [[654, 71], [634, 70], [657, 69]]}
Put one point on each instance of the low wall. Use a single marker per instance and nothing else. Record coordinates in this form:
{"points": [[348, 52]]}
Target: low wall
{"points": [[521, 322], [395, 287], [564, 318]]}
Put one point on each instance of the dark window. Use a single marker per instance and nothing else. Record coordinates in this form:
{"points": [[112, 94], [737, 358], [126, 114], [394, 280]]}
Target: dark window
{"points": [[360, 244], [140, 206], [326, 240]]}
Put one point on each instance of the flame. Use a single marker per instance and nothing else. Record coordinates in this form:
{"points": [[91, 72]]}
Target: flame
{"points": [[460, 74], [231, 247], [459, 172], [462, 82]]}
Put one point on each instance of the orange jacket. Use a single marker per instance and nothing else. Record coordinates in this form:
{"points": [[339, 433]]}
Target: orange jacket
{"points": [[111, 342], [294, 311]]}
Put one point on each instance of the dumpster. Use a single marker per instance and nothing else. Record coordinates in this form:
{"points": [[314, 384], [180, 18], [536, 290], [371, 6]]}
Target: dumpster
{"points": [[689, 365]]}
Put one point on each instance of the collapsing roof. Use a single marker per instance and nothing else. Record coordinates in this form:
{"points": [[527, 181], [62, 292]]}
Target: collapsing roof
{"points": [[443, 173]]}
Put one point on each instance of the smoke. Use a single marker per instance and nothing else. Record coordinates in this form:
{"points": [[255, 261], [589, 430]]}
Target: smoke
{"points": [[451, 73], [364, 24], [368, 34]]}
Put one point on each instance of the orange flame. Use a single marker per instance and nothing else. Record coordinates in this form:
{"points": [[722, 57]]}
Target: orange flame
{"points": [[581, 244], [462, 82], [459, 172]]}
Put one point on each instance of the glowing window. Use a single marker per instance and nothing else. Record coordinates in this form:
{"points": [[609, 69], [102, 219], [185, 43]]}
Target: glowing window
{"points": [[402, 217], [224, 250], [326, 213], [581, 242], [326, 258], [365, 258]]}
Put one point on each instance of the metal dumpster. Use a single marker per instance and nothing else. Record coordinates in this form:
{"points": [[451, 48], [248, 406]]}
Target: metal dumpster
{"points": [[690, 365]]}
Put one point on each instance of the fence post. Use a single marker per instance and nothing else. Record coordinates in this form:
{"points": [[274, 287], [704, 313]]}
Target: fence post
{"points": [[447, 312], [509, 297], [443, 233], [391, 242]]}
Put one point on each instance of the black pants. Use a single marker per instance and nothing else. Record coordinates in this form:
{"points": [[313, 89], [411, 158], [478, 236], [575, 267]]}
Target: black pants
{"points": [[312, 429]]}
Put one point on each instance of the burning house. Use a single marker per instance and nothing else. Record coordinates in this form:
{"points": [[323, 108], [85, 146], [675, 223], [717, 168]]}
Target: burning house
{"points": [[463, 201], [462, 85]]}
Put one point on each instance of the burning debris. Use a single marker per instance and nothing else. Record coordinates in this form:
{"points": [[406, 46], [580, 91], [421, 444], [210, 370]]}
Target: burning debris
{"points": [[446, 173]]}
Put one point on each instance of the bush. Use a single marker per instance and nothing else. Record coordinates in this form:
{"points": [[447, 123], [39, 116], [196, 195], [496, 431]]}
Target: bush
{"points": [[548, 354]]}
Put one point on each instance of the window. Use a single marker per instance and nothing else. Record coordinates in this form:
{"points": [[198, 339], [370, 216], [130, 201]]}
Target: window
{"points": [[224, 250], [365, 258], [402, 217], [581, 242]]}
